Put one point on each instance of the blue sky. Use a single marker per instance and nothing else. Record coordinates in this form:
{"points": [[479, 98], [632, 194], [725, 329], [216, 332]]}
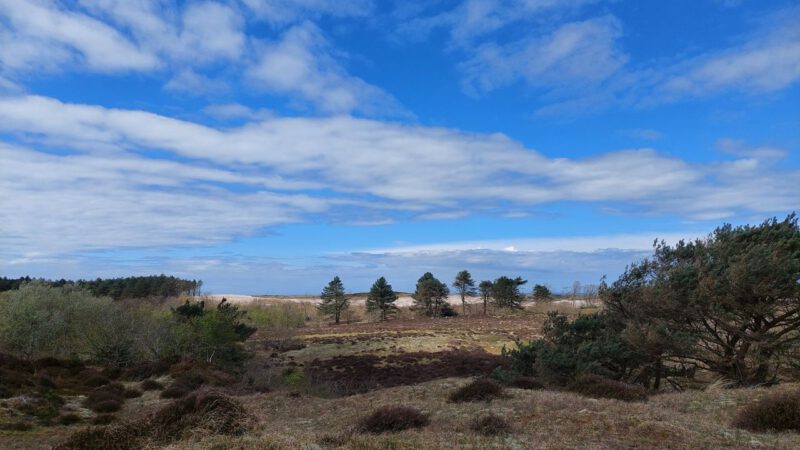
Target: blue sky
{"points": [[265, 146]]}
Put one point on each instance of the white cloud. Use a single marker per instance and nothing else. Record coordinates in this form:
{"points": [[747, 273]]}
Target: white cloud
{"points": [[577, 52], [190, 82], [228, 111], [302, 64], [471, 20], [238, 179], [81, 203], [767, 62], [581, 244], [40, 35]]}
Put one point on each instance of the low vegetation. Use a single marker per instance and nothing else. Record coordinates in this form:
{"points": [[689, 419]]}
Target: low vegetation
{"points": [[393, 419], [775, 412], [595, 386], [80, 368], [491, 425], [481, 389]]}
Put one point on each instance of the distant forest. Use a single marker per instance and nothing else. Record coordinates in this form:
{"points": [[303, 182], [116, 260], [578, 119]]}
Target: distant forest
{"points": [[159, 286]]}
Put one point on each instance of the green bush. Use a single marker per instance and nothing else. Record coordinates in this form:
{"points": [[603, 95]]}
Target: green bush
{"points": [[590, 344]]}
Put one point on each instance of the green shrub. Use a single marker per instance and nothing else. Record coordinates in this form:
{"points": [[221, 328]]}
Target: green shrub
{"points": [[776, 412], [481, 389], [393, 419]]}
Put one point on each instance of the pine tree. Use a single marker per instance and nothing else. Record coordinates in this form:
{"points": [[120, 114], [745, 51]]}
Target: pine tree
{"points": [[381, 297], [465, 286], [334, 302], [541, 293], [505, 292], [485, 289], [430, 296]]}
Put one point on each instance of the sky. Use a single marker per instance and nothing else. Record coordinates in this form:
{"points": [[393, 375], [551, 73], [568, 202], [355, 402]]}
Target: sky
{"points": [[265, 146]]}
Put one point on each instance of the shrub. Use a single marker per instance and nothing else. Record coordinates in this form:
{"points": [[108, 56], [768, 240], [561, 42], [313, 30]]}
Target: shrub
{"points": [[595, 386], [481, 389], [69, 419], [106, 406], [175, 391], [392, 419], [103, 419], [491, 425], [105, 399], [41, 320], [206, 413], [131, 393], [526, 383], [16, 426], [776, 412], [96, 380], [44, 406], [151, 385]]}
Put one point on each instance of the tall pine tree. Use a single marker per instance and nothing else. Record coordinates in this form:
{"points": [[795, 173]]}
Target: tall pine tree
{"points": [[334, 302], [381, 297], [465, 286]]}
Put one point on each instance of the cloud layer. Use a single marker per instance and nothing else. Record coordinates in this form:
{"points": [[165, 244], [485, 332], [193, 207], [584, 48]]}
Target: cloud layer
{"points": [[220, 183]]}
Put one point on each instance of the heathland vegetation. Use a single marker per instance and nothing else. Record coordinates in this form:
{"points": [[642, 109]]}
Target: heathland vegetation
{"points": [[696, 346]]}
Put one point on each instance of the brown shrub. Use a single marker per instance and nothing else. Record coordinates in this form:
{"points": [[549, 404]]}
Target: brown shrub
{"points": [[478, 390], [16, 426], [69, 419], [595, 386], [175, 391], [94, 379], [201, 413], [205, 412], [105, 399], [131, 393], [392, 419], [147, 369], [102, 438], [352, 374], [776, 412], [151, 385], [526, 383], [490, 425], [103, 419]]}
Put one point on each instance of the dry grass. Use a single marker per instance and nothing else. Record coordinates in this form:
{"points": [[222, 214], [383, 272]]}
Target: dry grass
{"points": [[542, 419]]}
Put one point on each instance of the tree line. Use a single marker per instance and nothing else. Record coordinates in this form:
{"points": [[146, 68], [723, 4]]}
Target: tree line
{"points": [[430, 295], [153, 286]]}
